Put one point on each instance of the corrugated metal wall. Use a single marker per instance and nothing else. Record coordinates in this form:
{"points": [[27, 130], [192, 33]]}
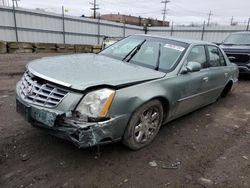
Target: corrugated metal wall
{"points": [[211, 34], [37, 26]]}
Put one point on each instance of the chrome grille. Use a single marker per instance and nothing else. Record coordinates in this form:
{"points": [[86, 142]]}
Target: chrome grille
{"points": [[239, 57], [32, 90]]}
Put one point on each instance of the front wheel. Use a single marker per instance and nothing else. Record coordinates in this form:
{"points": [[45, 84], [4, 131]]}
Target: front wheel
{"points": [[143, 125]]}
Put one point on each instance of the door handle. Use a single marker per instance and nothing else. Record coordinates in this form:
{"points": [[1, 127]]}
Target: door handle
{"points": [[205, 79], [225, 74]]}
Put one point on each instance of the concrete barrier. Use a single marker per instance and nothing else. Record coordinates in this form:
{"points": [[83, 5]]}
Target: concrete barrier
{"points": [[65, 48], [26, 47], [96, 48], [3, 47], [80, 48], [45, 48], [19, 47]]}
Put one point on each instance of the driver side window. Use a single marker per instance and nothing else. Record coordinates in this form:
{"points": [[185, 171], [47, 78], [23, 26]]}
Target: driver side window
{"points": [[198, 54]]}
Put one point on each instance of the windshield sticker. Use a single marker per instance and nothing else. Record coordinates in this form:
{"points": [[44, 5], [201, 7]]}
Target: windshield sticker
{"points": [[171, 46]]}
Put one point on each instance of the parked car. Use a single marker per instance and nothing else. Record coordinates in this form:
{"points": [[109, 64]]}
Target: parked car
{"points": [[107, 41], [237, 48], [124, 93]]}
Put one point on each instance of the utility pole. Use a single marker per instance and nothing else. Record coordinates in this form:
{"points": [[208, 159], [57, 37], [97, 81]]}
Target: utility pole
{"points": [[94, 8], [63, 24], [209, 17], [15, 22], [164, 11], [232, 20], [248, 23], [15, 2]]}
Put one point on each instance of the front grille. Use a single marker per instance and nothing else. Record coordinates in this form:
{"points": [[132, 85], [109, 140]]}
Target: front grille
{"points": [[239, 58], [39, 92]]}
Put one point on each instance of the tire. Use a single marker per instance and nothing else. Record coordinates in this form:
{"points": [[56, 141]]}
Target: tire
{"points": [[144, 125], [226, 90]]}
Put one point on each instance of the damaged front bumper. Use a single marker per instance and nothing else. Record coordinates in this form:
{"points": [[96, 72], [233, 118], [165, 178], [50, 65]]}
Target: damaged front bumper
{"points": [[85, 134]]}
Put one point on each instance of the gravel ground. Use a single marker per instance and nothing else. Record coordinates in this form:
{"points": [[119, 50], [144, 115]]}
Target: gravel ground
{"points": [[207, 148]]}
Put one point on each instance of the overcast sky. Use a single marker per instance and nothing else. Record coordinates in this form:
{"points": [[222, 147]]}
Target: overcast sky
{"points": [[179, 11]]}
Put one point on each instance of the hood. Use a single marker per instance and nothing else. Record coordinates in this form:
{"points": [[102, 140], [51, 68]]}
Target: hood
{"points": [[236, 48], [81, 71]]}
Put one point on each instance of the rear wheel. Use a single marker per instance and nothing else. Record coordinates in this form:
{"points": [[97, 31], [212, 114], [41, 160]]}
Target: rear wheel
{"points": [[227, 89], [144, 125]]}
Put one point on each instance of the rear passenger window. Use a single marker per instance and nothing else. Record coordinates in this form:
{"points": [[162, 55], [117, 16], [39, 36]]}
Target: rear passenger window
{"points": [[216, 58], [198, 55]]}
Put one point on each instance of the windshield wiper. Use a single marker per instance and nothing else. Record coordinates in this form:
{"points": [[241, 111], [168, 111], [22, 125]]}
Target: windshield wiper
{"points": [[134, 51], [158, 58]]}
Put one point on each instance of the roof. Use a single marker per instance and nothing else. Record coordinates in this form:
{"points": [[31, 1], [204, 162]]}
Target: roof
{"points": [[241, 32], [188, 41]]}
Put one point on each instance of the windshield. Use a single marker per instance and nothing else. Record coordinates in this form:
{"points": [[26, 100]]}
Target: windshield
{"points": [[238, 38], [150, 52]]}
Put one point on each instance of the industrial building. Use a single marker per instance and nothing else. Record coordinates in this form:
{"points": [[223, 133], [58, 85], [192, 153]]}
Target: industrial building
{"points": [[134, 20]]}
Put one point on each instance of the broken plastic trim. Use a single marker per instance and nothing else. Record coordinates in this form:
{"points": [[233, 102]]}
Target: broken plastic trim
{"points": [[86, 134], [77, 121], [81, 118], [99, 119]]}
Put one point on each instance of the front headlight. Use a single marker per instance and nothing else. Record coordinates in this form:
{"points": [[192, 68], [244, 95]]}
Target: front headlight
{"points": [[96, 103]]}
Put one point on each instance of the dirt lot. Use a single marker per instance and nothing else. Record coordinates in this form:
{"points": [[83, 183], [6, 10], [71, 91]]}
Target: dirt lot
{"points": [[211, 143]]}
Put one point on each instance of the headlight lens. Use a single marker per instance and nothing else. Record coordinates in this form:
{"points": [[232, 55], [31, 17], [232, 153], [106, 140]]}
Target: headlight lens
{"points": [[96, 104]]}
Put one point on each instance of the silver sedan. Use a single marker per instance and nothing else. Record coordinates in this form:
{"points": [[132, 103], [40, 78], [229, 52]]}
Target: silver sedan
{"points": [[126, 92]]}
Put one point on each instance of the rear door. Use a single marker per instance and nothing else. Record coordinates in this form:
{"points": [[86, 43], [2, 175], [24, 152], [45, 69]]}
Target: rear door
{"points": [[218, 72]]}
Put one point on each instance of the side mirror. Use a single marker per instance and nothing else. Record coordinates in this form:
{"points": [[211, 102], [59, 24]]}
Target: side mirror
{"points": [[191, 66], [217, 43]]}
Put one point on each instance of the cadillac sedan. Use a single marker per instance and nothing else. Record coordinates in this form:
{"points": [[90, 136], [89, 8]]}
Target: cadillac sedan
{"points": [[124, 93]]}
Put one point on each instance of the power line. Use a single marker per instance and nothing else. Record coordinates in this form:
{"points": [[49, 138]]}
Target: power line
{"points": [[94, 8], [187, 9]]}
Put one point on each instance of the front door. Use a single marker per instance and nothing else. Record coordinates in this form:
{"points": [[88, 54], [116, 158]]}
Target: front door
{"points": [[193, 86]]}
